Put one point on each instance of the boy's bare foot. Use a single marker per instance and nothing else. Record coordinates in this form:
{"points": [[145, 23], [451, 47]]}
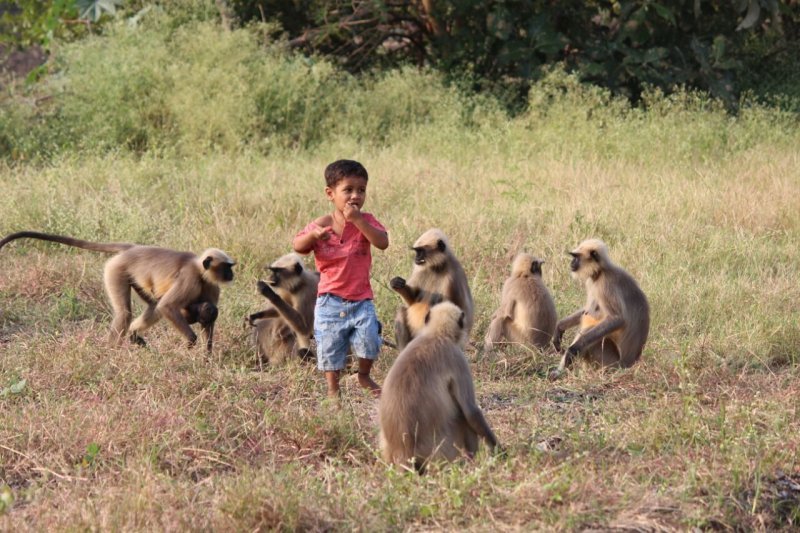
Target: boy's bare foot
{"points": [[368, 383]]}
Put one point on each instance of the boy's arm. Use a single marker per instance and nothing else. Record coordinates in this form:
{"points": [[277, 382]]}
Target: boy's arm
{"points": [[378, 238], [304, 242]]}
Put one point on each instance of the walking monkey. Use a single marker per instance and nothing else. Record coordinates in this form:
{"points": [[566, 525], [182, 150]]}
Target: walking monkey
{"points": [[179, 286]]}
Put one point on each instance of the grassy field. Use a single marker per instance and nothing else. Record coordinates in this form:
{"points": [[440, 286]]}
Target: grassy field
{"points": [[701, 207], [704, 432]]}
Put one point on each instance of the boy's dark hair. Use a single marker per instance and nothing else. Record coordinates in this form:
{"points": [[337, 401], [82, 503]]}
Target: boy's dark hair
{"points": [[344, 168]]}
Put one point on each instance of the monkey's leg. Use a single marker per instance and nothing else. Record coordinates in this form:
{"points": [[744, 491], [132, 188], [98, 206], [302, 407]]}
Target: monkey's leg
{"points": [[497, 332], [596, 333], [119, 294], [207, 333], [402, 335], [143, 322]]}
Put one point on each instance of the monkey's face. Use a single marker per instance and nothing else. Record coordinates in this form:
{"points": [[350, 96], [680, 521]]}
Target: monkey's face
{"points": [[225, 272], [218, 271], [587, 260], [285, 277], [431, 256]]}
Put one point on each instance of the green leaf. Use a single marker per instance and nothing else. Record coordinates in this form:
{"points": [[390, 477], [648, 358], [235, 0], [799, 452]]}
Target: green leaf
{"points": [[750, 19], [18, 387], [15, 388], [6, 499], [93, 9], [664, 12], [499, 24]]}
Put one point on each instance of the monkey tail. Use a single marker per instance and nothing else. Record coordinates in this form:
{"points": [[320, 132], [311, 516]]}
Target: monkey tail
{"points": [[107, 247]]}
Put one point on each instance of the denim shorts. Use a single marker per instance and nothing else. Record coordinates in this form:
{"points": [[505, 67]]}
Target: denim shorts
{"points": [[339, 324]]}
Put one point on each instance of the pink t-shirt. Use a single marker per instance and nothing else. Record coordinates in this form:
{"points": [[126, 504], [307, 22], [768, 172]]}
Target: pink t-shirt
{"points": [[344, 262]]}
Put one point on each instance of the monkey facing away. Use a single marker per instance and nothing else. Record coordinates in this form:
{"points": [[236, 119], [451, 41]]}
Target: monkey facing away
{"points": [[427, 408], [180, 286], [615, 320], [527, 313], [286, 326], [437, 276]]}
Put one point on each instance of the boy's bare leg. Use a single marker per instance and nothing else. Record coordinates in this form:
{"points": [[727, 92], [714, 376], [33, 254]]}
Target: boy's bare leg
{"points": [[364, 366], [332, 378]]}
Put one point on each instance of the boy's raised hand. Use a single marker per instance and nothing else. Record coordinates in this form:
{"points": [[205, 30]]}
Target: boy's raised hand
{"points": [[351, 212], [323, 233]]}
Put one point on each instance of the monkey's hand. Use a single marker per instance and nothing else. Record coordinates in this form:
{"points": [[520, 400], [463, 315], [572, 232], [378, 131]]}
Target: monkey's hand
{"points": [[397, 283], [267, 291], [573, 350], [557, 339], [500, 451], [193, 340]]}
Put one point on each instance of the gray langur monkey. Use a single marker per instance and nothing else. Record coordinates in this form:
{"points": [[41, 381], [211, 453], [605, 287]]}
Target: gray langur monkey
{"points": [[527, 313], [427, 408], [286, 326], [437, 276], [180, 286], [615, 321]]}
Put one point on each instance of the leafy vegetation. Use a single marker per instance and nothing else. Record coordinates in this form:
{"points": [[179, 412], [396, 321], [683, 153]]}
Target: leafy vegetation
{"points": [[720, 46]]}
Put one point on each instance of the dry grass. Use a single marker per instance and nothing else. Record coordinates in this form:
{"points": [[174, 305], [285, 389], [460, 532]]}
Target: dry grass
{"points": [[703, 433]]}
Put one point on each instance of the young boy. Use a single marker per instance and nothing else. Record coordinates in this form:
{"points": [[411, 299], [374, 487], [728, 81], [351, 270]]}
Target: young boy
{"points": [[344, 315]]}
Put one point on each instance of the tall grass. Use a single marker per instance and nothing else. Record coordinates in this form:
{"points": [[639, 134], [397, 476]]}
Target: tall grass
{"points": [[220, 142]]}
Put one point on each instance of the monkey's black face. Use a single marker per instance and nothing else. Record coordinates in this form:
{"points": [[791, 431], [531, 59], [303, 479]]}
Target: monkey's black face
{"points": [[432, 255], [536, 268], [575, 264], [420, 255], [226, 272], [284, 276], [276, 275]]}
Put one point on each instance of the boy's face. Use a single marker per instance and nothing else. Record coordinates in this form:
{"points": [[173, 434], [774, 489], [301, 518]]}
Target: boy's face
{"points": [[349, 191]]}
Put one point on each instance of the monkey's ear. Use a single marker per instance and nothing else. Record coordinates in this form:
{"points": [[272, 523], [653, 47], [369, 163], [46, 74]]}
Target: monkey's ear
{"points": [[427, 317], [298, 268], [461, 320], [440, 245], [207, 262], [595, 255]]}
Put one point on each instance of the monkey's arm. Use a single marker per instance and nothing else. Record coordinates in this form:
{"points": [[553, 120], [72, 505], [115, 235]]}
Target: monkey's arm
{"points": [[266, 313], [497, 329], [564, 324], [592, 335], [463, 392], [407, 293], [171, 305], [295, 320]]}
